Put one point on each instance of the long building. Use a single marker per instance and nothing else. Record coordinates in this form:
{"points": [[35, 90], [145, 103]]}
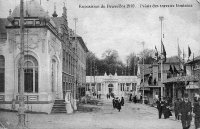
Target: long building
{"points": [[108, 84], [51, 59]]}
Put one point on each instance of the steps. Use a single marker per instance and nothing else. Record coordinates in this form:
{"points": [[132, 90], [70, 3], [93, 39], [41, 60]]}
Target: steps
{"points": [[59, 107]]}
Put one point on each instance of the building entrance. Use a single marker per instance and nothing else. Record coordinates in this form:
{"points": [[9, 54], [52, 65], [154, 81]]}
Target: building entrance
{"points": [[110, 88]]}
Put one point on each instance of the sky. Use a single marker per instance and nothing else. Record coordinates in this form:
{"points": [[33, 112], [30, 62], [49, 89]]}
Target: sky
{"points": [[124, 29]]}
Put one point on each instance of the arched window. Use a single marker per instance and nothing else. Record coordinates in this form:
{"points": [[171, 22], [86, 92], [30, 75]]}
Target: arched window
{"points": [[30, 74], [2, 73]]}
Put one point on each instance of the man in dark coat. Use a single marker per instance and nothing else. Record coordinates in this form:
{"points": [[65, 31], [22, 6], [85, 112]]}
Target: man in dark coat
{"points": [[160, 107], [113, 101], [122, 101], [166, 110], [130, 97], [196, 111], [176, 108], [185, 112]]}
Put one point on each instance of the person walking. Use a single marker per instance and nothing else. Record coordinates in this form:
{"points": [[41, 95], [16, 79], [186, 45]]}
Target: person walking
{"points": [[118, 104], [176, 108], [135, 99], [166, 108], [159, 107], [130, 97], [122, 101], [114, 103], [196, 111], [185, 112]]}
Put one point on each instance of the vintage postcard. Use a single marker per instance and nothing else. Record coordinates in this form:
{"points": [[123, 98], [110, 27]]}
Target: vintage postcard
{"points": [[99, 64]]}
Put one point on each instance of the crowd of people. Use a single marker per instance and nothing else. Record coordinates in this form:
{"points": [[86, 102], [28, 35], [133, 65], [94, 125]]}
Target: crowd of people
{"points": [[164, 108], [135, 98], [183, 110]]}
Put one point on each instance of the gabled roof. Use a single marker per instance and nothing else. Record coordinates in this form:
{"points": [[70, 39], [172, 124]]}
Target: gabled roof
{"points": [[172, 60], [194, 60], [58, 21]]}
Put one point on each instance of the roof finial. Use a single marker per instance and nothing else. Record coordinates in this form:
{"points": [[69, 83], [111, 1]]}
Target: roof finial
{"points": [[10, 11], [55, 14], [64, 10]]}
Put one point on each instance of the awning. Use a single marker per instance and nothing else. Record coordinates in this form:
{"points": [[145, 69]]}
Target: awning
{"points": [[182, 79]]}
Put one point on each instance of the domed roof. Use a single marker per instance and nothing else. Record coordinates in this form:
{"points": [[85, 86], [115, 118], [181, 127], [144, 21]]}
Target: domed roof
{"points": [[31, 9]]}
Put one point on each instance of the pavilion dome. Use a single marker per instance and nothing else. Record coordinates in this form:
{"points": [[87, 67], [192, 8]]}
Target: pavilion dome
{"points": [[31, 9]]}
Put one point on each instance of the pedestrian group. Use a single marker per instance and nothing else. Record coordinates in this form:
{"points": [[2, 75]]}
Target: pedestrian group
{"points": [[117, 103], [183, 110]]}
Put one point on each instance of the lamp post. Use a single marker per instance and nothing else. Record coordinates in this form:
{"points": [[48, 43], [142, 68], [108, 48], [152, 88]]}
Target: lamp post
{"points": [[21, 115], [161, 18], [75, 68], [143, 73]]}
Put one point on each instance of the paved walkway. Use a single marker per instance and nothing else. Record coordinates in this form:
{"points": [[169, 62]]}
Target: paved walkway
{"points": [[132, 116]]}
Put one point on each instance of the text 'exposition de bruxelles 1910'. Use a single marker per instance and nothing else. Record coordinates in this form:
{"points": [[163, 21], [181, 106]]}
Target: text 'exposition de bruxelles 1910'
{"points": [[135, 6]]}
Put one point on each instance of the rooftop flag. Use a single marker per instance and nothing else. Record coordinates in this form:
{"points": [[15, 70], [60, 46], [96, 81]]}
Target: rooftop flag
{"points": [[171, 70], [179, 52], [156, 54], [175, 70], [163, 52], [189, 52]]}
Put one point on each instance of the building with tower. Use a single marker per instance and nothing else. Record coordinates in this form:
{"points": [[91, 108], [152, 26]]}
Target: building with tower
{"points": [[51, 59]]}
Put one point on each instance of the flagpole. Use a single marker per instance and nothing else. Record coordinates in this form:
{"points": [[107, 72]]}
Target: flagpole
{"points": [[161, 18], [143, 74]]}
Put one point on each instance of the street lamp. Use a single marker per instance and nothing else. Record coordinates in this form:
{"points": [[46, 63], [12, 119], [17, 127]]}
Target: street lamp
{"points": [[161, 18], [21, 110], [143, 73], [75, 68]]}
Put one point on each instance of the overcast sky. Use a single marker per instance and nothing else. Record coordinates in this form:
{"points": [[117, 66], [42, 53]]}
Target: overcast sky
{"points": [[125, 29]]}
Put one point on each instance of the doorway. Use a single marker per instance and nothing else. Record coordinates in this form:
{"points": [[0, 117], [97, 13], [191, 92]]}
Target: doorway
{"points": [[110, 88]]}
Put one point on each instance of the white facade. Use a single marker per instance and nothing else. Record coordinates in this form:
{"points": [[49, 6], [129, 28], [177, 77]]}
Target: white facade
{"points": [[119, 85], [42, 56], [49, 60]]}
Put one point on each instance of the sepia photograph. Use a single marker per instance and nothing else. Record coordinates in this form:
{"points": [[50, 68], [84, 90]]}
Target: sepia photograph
{"points": [[99, 64]]}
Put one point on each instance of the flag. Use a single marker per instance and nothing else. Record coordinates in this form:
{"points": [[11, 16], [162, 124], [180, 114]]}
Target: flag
{"points": [[183, 55], [171, 70], [189, 52], [183, 61], [179, 52], [156, 54], [175, 70], [163, 51]]}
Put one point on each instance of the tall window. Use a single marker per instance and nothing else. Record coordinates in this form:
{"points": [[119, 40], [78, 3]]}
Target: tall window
{"points": [[2, 73], [30, 74], [98, 86]]}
